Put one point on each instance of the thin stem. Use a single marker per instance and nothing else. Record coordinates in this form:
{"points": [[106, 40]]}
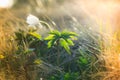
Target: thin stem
{"points": [[46, 25], [58, 50]]}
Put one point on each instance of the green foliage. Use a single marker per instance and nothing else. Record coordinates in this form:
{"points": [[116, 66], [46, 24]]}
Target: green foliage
{"points": [[36, 35], [64, 44], [38, 61], [71, 76], [26, 40], [76, 66], [82, 60], [63, 39], [66, 76]]}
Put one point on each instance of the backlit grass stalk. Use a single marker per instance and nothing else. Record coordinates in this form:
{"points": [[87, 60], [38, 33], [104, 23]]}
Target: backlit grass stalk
{"points": [[112, 58]]}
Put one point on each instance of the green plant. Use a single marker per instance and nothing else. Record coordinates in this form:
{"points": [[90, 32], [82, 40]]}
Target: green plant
{"points": [[63, 39], [60, 39], [26, 40]]}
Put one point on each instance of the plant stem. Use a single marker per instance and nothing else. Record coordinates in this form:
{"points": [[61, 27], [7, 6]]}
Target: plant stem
{"points": [[58, 53], [46, 25]]}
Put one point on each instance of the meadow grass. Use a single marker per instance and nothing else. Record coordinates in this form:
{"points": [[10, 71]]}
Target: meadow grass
{"points": [[14, 65], [91, 59]]}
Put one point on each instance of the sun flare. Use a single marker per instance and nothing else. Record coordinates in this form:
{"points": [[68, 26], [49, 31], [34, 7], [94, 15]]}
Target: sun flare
{"points": [[6, 3]]}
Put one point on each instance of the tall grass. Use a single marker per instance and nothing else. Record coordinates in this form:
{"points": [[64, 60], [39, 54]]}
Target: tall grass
{"points": [[10, 65], [100, 60], [111, 56]]}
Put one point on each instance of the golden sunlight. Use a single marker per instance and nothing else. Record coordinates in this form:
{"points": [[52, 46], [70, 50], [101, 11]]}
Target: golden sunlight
{"points": [[6, 3]]}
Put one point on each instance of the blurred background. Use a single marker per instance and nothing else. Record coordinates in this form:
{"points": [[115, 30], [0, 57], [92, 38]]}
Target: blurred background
{"points": [[104, 13]]}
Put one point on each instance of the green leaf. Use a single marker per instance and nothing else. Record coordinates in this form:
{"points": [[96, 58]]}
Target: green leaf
{"points": [[36, 35], [38, 61], [49, 44], [73, 38], [52, 78], [67, 76], [55, 32], [73, 34], [70, 42], [66, 34], [83, 60], [50, 37], [64, 44]]}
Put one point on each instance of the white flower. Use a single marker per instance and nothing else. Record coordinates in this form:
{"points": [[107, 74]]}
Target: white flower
{"points": [[32, 20]]}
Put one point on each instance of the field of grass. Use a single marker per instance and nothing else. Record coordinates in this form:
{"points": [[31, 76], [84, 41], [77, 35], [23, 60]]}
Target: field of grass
{"points": [[48, 47]]}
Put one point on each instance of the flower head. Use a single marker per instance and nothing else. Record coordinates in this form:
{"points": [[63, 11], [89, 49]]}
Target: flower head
{"points": [[32, 20]]}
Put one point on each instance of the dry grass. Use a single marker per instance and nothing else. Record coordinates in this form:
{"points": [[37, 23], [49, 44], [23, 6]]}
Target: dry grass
{"points": [[8, 65], [9, 23], [6, 33], [111, 56]]}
